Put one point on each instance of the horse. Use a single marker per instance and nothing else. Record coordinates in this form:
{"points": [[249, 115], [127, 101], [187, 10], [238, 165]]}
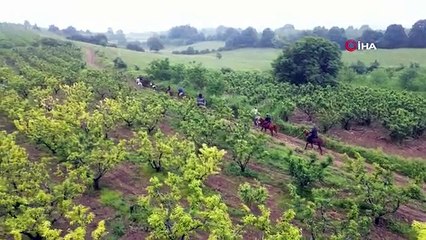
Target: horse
{"points": [[145, 82], [256, 121], [169, 92], [318, 141], [271, 127]]}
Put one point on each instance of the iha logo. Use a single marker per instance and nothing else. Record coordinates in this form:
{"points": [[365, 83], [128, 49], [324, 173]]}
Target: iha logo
{"points": [[352, 45]]}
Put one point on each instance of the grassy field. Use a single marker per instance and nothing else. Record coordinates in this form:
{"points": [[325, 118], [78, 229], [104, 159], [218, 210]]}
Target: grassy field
{"points": [[256, 58], [387, 57], [200, 46]]}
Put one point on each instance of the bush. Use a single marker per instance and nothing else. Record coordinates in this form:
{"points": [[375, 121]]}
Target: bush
{"points": [[160, 70], [252, 194], [119, 63], [359, 67], [307, 172], [135, 46], [407, 77], [192, 51], [51, 42], [379, 76]]}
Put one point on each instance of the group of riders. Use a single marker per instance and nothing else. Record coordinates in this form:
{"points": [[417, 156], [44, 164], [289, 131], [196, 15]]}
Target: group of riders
{"points": [[311, 136], [201, 102]]}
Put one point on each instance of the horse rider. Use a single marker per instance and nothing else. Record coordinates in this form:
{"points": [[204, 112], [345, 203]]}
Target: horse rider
{"points": [[256, 115], [268, 121], [181, 93], [201, 102], [312, 134]]}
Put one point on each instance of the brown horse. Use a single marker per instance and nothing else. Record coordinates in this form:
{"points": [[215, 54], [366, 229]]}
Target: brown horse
{"points": [[271, 127], [317, 141]]}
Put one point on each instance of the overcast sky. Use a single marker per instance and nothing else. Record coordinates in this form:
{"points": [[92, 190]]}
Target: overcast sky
{"points": [[158, 15]]}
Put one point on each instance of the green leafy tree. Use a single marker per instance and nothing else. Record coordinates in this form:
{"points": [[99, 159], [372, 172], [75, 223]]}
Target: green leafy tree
{"points": [[307, 172], [162, 152], [219, 55], [337, 35], [267, 38], [168, 218], [31, 202], [420, 230], [318, 215], [119, 63], [160, 70], [417, 35], [252, 194], [281, 229], [74, 134], [310, 60], [243, 145], [137, 111], [375, 192], [154, 44], [394, 37]]}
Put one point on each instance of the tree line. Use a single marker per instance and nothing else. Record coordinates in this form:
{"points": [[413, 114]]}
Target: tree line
{"points": [[395, 36]]}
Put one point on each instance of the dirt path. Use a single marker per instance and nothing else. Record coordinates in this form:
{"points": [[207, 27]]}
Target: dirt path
{"points": [[374, 136], [408, 212], [338, 158], [90, 57]]}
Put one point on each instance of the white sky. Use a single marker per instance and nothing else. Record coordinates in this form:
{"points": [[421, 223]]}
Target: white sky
{"points": [[158, 15]]}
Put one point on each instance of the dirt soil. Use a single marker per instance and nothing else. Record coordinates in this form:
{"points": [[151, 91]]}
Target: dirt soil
{"points": [[127, 178], [374, 136], [90, 57]]}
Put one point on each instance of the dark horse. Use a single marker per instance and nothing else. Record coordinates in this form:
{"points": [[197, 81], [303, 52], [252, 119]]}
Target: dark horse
{"points": [[169, 92], [317, 141], [271, 127]]}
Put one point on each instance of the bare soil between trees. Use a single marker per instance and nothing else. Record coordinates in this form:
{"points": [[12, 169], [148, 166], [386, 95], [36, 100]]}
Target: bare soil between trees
{"points": [[373, 136]]}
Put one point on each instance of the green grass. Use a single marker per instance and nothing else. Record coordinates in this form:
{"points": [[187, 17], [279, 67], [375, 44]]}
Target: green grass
{"points": [[201, 46], [256, 58], [115, 200], [387, 57], [15, 35], [240, 59]]}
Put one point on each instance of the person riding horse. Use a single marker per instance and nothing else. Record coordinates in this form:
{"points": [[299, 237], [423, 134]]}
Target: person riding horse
{"points": [[181, 93], [201, 102], [313, 134], [268, 120], [169, 90]]}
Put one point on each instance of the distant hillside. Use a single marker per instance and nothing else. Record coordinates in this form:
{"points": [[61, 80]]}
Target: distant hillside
{"points": [[142, 37]]}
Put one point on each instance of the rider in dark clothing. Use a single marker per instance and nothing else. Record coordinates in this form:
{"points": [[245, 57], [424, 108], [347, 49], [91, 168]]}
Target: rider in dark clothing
{"points": [[181, 92], [268, 120], [200, 100], [313, 134]]}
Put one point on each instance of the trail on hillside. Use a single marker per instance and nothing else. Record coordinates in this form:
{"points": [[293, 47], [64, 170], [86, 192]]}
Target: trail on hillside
{"points": [[338, 158], [90, 57], [407, 211]]}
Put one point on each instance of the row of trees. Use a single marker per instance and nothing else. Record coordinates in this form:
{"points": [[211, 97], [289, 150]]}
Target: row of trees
{"points": [[395, 35], [75, 130], [72, 117]]}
